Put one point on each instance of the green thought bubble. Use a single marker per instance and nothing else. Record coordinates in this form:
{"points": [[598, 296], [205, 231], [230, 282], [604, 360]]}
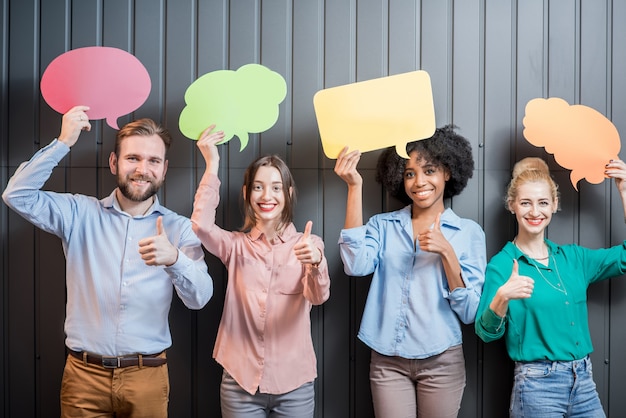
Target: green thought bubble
{"points": [[237, 102]]}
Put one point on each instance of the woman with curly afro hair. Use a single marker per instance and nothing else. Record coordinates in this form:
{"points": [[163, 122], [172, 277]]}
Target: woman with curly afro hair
{"points": [[428, 268]]}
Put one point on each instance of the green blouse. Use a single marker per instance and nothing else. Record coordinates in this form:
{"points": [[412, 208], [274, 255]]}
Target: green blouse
{"points": [[552, 324]]}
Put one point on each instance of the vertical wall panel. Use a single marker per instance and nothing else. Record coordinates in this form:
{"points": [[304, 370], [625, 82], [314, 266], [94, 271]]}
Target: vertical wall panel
{"points": [[371, 50], [307, 78], [55, 42], [595, 200], [4, 233], [180, 71], [22, 42], [617, 362], [339, 47], [212, 54], [147, 43], [276, 45], [21, 75], [562, 43], [339, 332], [530, 67], [437, 54], [404, 36], [50, 310], [467, 113], [499, 105], [85, 29], [244, 48]]}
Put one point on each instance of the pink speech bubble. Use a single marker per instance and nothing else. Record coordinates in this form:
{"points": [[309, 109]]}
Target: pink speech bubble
{"points": [[110, 81]]}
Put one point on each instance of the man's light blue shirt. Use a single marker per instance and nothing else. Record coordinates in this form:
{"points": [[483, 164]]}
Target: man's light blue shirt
{"points": [[410, 311], [116, 304]]}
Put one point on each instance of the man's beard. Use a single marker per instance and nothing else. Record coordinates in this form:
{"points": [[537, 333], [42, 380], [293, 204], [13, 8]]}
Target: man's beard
{"points": [[125, 187]]}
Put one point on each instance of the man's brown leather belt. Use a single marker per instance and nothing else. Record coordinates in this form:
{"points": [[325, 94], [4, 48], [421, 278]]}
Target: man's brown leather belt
{"points": [[112, 362]]}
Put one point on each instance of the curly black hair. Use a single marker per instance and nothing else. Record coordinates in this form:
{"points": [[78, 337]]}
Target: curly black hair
{"points": [[445, 148]]}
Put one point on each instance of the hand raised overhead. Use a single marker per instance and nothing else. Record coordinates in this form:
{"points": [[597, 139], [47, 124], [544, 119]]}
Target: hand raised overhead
{"points": [[74, 121], [345, 166], [158, 250], [207, 144], [616, 169]]}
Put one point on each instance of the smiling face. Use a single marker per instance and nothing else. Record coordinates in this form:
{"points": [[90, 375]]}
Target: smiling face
{"points": [[533, 207], [139, 167], [424, 183], [267, 197]]}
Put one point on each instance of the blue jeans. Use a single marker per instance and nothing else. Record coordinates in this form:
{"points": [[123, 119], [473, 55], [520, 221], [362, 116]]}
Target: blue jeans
{"points": [[550, 389], [237, 403]]}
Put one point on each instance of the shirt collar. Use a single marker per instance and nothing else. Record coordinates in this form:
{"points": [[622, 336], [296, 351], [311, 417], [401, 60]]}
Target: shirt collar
{"points": [[512, 249], [289, 231], [448, 217], [111, 202]]}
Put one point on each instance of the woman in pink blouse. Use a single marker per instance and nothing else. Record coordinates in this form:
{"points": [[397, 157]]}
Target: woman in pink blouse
{"points": [[275, 275]]}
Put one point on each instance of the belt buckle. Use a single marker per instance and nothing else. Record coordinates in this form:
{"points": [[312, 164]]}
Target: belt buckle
{"points": [[110, 362]]}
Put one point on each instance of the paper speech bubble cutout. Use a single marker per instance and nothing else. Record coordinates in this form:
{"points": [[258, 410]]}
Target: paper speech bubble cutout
{"points": [[376, 114], [111, 81], [237, 102], [581, 138]]}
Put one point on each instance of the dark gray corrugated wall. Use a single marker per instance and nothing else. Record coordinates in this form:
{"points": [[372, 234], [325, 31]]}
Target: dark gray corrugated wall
{"points": [[486, 59]]}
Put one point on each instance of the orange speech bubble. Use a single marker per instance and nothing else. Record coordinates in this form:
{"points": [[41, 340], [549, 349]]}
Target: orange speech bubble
{"points": [[376, 114], [582, 139]]}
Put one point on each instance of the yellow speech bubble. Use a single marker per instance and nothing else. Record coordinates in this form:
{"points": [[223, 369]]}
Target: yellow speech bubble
{"points": [[376, 114], [582, 139]]}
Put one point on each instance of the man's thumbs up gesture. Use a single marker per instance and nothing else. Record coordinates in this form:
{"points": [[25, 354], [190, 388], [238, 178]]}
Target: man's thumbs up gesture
{"points": [[305, 250], [158, 250]]}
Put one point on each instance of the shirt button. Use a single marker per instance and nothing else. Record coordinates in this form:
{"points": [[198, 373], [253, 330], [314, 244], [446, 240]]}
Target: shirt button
{"points": [[572, 324]]}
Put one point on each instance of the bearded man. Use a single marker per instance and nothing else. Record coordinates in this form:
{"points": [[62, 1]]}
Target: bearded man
{"points": [[125, 255]]}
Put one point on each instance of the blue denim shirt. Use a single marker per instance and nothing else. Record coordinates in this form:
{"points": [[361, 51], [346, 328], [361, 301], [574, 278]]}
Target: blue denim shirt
{"points": [[410, 311]]}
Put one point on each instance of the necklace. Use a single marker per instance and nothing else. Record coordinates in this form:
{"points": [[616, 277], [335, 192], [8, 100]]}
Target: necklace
{"points": [[528, 256], [560, 286]]}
